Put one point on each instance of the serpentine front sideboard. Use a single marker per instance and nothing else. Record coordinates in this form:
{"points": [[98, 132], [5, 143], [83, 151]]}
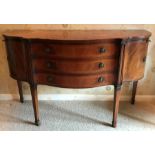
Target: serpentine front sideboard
{"points": [[77, 59]]}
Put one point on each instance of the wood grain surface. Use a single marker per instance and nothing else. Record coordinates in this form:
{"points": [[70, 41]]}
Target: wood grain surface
{"points": [[78, 34], [145, 87]]}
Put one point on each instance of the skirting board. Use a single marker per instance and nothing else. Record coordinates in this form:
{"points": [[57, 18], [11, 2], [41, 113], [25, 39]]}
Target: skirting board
{"points": [[78, 97]]}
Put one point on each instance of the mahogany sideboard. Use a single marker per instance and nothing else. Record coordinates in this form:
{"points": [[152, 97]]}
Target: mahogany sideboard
{"points": [[77, 59]]}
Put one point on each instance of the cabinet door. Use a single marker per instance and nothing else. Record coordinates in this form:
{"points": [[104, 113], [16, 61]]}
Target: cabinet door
{"points": [[134, 60], [16, 59]]}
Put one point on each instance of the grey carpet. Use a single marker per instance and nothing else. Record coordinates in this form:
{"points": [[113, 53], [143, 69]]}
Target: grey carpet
{"points": [[76, 116]]}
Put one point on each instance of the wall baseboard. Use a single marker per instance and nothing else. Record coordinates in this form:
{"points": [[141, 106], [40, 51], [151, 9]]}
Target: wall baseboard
{"points": [[74, 97]]}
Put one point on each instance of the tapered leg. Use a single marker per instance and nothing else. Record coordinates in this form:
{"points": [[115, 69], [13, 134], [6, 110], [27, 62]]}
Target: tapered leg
{"points": [[134, 92], [19, 83], [117, 92], [33, 88]]}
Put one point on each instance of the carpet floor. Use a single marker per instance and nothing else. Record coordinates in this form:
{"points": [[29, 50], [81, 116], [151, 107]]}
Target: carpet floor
{"points": [[76, 116]]}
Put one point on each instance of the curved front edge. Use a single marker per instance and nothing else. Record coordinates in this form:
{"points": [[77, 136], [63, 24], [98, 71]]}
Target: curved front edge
{"points": [[135, 52]]}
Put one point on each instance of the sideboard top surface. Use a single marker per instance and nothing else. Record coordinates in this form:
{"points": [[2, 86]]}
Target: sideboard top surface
{"points": [[77, 34]]}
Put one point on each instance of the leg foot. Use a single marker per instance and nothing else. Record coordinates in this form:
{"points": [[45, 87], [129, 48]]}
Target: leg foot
{"points": [[37, 123], [114, 124], [134, 92], [117, 92], [19, 83]]}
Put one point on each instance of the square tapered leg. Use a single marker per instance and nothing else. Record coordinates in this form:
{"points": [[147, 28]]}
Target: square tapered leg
{"points": [[134, 89], [19, 83], [117, 92], [33, 88]]}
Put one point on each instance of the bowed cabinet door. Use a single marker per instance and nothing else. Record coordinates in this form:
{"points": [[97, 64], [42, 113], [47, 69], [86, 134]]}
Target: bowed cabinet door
{"points": [[135, 53], [16, 58]]}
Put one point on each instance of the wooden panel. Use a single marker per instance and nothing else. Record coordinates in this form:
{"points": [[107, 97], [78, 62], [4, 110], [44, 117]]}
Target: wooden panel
{"points": [[105, 49], [134, 60], [71, 81], [10, 58], [78, 34], [75, 66], [17, 59]]}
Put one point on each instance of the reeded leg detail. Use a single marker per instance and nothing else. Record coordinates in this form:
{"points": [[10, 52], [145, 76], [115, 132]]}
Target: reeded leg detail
{"points": [[33, 88], [134, 89], [19, 83], [117, 92]]}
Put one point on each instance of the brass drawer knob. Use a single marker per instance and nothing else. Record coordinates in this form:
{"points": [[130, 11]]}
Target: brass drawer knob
{"points": [[49, 79], [102, 50], [100, 79], [101, 65], [47, 50], [50, 64]]}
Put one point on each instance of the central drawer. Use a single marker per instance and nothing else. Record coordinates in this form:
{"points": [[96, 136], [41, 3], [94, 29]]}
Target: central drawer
{"points": [[75, 81], [107, 49], [75, 66]]}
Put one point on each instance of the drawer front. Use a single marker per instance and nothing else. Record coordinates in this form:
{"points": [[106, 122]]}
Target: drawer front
{"points": [[75, 67], [107, 50], [72, 81]]}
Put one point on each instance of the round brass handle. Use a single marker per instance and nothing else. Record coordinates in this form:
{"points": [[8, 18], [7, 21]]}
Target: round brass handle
{"points": [[47, 50], [50, 64], [100, 79], [49, 79], [101, 65], [102, 50]]}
